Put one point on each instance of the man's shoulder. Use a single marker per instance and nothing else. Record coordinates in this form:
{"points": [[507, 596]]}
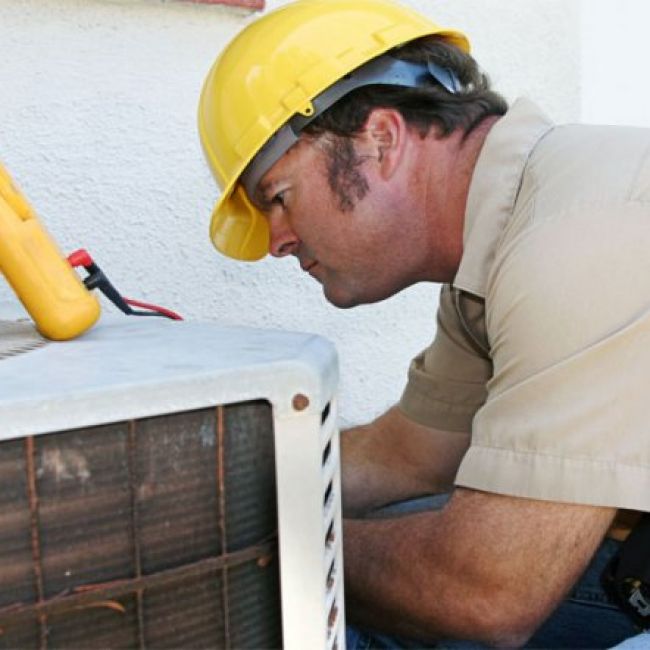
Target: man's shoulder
{"points": [[569, 279], [582, 207], [588, 164]]}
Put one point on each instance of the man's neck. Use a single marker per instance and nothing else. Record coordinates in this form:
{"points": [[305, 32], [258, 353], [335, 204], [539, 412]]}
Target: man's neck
{"points": [[452, 162]]}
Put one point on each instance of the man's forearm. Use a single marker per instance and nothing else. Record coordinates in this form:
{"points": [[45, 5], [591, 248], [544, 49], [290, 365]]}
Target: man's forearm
{"points": [[486, 567], [373, 476], [373, 594], [394, 458], [399, 582]]}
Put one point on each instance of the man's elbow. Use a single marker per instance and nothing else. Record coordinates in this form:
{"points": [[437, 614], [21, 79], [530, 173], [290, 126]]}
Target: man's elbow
{"points": [[510, 633], [501, 622], [496, 618]]}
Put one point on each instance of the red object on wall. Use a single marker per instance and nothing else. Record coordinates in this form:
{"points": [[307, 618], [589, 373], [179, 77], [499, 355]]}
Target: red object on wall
{"points": [[251, 4]]}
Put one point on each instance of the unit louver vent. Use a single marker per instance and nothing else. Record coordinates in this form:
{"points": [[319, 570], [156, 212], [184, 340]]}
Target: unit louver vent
{"points": [[331, 514], [17, 338]]}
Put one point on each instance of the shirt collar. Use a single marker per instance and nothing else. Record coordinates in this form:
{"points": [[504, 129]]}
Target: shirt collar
{"points": [[494, 188]]}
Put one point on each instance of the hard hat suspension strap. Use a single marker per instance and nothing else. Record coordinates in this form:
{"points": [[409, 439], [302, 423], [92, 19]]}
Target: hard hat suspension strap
{"points": [[383, 70]]}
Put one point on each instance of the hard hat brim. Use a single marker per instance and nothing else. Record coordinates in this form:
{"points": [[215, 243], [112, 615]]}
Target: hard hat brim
{"points": [[237, 227]]}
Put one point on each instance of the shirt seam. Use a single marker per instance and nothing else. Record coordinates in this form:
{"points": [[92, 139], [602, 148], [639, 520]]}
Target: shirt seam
{"points": [[562, 457]]}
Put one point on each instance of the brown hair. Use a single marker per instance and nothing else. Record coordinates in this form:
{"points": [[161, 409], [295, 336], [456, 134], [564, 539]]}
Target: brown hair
{"points": [[421, 107]]}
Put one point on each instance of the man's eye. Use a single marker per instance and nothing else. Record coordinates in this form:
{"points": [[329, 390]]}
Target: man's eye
{"points": [[278, 199]]}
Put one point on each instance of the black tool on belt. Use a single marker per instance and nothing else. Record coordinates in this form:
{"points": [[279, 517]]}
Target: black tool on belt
{"points": [[627, 577]]}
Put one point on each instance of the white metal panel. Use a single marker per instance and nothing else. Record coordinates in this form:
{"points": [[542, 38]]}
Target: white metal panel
{"points": [[127, 368]]}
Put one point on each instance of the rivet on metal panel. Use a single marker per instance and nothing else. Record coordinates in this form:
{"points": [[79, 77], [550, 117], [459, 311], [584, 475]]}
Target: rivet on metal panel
{"points": [[300, 402], [264, 561]]}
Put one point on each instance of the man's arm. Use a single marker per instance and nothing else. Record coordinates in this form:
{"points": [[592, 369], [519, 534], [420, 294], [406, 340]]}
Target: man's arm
{"points": [[394, 458], [487, 567]]}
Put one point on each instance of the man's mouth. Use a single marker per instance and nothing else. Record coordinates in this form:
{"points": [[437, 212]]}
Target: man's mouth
{"points": [[308, 266]]}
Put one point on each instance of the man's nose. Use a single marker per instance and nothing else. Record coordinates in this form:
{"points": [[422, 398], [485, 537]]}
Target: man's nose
{"points": [[283, 240]]}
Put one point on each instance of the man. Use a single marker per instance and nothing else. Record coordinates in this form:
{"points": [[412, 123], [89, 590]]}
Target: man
{"points": [[361, 138]]}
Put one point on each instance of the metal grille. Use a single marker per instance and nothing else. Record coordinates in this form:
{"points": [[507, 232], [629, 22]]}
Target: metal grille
{"points": [[155, 533], [18, 337]]}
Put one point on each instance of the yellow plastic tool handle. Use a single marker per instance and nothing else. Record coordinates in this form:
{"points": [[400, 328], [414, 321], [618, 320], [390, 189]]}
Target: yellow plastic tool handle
{"points": [[41, 277]]}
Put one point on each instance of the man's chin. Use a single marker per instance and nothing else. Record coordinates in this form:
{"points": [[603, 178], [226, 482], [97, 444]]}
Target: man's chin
{"points": [[346, 298], [340, 299]]}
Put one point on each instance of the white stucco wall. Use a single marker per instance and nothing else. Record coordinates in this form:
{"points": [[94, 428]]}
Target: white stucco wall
{"points": [[97, 124], [615, 50]]}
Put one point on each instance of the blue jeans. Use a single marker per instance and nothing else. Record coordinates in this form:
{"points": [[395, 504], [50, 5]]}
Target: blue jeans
{"points": [[639, 642], [586, 619]]}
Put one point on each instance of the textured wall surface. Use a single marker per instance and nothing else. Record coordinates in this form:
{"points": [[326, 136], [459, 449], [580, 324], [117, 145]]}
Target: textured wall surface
{"points": [[97, 124], [615, 52]]}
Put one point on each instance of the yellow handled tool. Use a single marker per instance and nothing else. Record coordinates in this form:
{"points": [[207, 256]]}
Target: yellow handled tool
{"points": [[41, 277]]}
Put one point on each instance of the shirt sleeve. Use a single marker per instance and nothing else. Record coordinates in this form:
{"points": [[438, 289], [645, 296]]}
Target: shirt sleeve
{"points": [[446, 384], [568, 319]]}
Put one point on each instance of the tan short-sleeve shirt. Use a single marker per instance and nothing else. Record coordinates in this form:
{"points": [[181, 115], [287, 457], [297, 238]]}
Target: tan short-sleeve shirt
{"points": [[542, 350]]}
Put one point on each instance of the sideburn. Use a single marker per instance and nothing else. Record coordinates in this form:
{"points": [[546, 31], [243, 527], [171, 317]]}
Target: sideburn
{"points": [[344, 174]]}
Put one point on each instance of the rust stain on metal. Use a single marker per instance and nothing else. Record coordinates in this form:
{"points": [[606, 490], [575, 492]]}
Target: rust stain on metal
{"points": [[85, 594], [300, 402], [37, 565], [108, 604], [135, 530], [221, 486], [82, 589], [221, 476]]}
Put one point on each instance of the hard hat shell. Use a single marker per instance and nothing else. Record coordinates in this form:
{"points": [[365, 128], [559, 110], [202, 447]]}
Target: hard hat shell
{"points": [[271, 71]]}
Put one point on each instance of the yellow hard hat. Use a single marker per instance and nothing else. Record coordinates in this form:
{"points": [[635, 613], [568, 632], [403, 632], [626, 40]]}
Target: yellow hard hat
{"points": [[295, 62]]}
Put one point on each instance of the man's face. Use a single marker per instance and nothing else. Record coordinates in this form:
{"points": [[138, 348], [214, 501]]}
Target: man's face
{"points": [[327, 205]]}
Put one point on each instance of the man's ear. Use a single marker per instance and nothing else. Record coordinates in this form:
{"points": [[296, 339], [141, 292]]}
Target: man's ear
{"points": [[386, 134]]}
